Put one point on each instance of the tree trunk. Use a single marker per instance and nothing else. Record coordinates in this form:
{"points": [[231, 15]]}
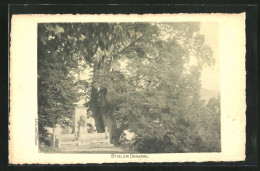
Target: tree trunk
{"points": [[99, 103], [98, 100], [116, 133], [96, 110], [99, 123], [108, 122], [98, 106]]}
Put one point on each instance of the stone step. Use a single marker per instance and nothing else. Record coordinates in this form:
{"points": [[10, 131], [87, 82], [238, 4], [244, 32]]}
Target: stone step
{"points": [[92, 139], [97, 136], [82, 145], [70, 137], [101, 145], [91, 145], [93, 150]]}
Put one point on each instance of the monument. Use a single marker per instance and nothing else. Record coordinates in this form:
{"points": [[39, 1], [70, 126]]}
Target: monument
{"points": [[83, 134], [80, 110]]}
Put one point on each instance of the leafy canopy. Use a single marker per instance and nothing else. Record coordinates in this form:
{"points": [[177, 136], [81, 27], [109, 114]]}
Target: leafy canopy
{"points": [[141, 76]]}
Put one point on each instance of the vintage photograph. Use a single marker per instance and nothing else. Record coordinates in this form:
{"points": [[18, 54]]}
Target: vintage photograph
{"points": [[151, 88], [135, 87]]}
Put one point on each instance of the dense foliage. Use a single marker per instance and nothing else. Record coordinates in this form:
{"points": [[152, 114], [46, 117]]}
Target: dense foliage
{"points": [[141, 80], [56, 86]]}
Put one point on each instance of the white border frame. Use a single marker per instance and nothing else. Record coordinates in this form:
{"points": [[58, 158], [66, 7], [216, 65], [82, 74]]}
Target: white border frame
{"points": [[23, 89]]}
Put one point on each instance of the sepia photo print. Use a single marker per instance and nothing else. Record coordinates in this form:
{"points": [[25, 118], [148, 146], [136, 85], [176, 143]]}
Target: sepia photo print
{"points": [[130, 87], [127, 88]]}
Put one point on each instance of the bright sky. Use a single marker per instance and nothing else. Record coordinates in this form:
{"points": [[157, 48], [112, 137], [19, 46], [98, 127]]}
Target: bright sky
{"points": [[210, 76]]}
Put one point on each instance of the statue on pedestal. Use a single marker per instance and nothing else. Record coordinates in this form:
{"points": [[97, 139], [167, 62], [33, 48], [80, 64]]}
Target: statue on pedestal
{"points": [[82, 127]]}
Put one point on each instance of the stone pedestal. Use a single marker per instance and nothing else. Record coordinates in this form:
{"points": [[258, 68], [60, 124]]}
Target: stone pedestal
{"points": [[79, 111], [83, 132]]}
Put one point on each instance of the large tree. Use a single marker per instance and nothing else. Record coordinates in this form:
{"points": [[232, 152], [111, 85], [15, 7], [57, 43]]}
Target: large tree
{"points": [[156, 93], [144, 79]]}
